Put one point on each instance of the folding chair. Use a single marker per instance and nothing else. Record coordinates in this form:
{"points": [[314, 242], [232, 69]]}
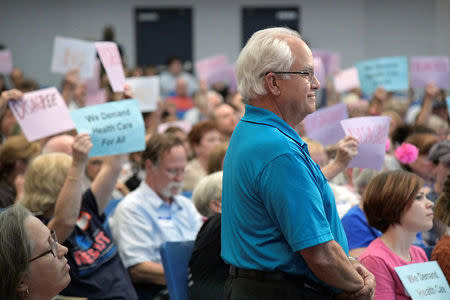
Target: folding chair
{"points": [[175, 259]]}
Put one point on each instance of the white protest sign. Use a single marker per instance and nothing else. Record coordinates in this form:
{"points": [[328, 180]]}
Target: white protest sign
{"points": [[424, 281], [146, 90], [70, 54]]}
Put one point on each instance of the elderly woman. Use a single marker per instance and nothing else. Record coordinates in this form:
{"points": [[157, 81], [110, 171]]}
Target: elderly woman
{"points": [[208, 270], [32, 262], [15, 154], [53, 190], [395, 204]]}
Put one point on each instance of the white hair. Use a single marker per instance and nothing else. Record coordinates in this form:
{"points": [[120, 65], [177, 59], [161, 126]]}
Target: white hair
{"points": [[209, 188], [267, 50]]}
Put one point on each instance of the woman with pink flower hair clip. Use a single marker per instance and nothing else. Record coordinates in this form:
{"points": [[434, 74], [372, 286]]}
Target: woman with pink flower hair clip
{"points": [[413, 155]]}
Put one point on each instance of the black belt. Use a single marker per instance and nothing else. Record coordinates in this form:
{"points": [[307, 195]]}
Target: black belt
{"points": [[258, 275]]}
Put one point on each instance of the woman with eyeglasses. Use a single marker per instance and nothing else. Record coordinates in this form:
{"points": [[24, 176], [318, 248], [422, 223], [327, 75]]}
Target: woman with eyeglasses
{"points": [[54, 193], [32, 262]]}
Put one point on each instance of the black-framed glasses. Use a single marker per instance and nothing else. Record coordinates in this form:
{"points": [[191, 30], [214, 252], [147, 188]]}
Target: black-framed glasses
{"points": [[53, 246], [309, 74]]}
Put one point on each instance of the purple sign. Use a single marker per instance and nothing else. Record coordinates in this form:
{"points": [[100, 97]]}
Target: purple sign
{"points": [[324, 124], [426, 69], [371, 133], [331, 61]]}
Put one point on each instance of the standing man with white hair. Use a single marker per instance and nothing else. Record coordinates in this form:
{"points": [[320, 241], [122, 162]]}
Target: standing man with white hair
{"points": [[281, 231]]}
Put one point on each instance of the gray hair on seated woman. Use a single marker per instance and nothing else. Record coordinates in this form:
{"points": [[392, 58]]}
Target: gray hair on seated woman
{"points": [[207, 195]]}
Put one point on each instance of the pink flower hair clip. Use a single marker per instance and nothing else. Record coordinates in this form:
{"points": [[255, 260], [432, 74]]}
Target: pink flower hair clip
{"points": [[407, 153]]}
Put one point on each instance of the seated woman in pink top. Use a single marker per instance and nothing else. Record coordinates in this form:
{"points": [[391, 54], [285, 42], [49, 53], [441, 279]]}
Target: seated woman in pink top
{"points": [[395, 204]]}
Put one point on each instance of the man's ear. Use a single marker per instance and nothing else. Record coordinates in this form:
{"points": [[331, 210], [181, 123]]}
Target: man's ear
{"points": [[272, 84]]}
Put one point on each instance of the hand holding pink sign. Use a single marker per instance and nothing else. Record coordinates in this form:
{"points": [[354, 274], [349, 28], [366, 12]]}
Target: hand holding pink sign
{"points": [[42, 113], [371, 133], [110, 57]]}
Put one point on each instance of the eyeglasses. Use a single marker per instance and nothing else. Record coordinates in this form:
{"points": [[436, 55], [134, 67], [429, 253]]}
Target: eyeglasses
{"points": [[173, 172], [53, 246], [308, 74]]}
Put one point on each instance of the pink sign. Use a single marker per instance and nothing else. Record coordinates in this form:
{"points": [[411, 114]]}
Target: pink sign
{"points": [[42, 113], [208, 66], [216, 69], [319, 71], [324, 124], [96, 97], [426, 69], [371, 133], [110, 57], [6, 64], [346, 80]]}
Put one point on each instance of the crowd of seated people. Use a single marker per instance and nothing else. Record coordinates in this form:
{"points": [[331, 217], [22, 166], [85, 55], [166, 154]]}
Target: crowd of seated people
{"points": [[106, 217]]}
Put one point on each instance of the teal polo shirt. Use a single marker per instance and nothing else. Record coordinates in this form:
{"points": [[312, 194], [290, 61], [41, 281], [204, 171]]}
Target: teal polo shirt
{"points": [[275, 199]]}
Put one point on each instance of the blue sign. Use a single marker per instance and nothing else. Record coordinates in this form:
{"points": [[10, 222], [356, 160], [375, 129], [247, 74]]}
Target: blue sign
{"points": [[388, 72], [115, 127], [424, 281]]}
